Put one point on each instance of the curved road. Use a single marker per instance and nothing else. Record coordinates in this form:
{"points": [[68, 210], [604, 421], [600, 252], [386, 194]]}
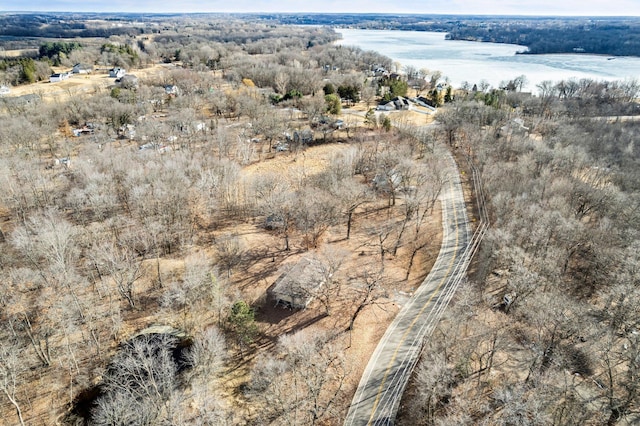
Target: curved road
{"points": [[378, 395]]}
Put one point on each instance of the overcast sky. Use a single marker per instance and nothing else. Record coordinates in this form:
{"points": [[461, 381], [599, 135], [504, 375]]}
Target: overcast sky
{"points": [[485, 7]]}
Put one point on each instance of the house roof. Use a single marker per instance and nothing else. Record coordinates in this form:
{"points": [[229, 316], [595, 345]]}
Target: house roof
{"points": [[299, 280]]}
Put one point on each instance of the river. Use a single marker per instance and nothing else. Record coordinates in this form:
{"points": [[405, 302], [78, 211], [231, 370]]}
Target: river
{"points": [[472, 62]]}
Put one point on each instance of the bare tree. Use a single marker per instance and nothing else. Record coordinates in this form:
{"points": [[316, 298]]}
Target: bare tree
{"points": [[207, 355], [379, 238], [434, 381], [11, 368], [351, 195], [277, 203], [228, 252], [305, 385], [314, 107], [329, 262], [138, 383], [122, 265], [314, 213], [367, 288], [368, 95], [281, 81]]}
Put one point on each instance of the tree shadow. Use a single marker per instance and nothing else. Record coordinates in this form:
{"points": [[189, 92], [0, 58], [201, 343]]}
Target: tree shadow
{"points": [[273, 313], [280, 316]]}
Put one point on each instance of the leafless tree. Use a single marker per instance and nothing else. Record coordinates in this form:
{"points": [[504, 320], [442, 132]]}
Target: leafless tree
{"points": [[434, 381], [367, 288], [314, 213], [351, 195], [281, 82], [368, 95], [11, 368], [517, 407], [379, 238], [328, 260], [123, 266], [228, 252], [304, 386], [277, 202], [138, 382]]}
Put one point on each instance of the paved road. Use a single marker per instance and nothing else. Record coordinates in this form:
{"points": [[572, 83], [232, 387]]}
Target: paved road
{"points": [[378, 395]]}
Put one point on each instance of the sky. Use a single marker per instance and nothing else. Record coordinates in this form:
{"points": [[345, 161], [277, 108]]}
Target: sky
{"points": [[460, 7]]}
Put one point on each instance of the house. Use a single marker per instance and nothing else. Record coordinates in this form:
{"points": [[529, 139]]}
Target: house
{"points": [[84, 130], [64, 161], [281, 147], [396, 104], [402, 103], [57, 77], [424, 102], [172, 90], [297, 284], [4, 90], [387, 181], [388, 106], [117, 72], [380, 72], [82, 69], [148, 146]]}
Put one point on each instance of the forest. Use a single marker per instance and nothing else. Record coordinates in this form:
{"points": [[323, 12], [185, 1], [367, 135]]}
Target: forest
{"points": [[545, 331], [593, 36], [143, 227]]}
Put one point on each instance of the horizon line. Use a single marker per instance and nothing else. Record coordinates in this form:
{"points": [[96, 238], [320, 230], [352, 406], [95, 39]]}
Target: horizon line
{"points": [[532, 15]]}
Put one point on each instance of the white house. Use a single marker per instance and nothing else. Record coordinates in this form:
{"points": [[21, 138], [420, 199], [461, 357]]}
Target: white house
{"points": [[54, 78], [172, 90], [4, 90], [389, 106], [117, 72]]}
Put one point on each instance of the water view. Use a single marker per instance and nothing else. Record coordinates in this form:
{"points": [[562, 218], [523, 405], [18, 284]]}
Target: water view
{"points": [[472, 62]]}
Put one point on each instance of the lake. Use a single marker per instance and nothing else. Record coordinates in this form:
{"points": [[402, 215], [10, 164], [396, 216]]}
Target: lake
{"points": [[472, 62]]}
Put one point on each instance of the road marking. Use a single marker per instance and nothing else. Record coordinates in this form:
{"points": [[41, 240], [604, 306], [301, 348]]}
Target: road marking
{"points": [[404, 336]]}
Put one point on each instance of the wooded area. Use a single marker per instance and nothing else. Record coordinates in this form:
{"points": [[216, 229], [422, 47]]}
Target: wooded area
{"points": [[545, 331]]}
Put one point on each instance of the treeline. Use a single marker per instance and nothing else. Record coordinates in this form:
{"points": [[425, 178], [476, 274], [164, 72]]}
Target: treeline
{"points": [[595, 37], [61, 25], [569, 98], [53, 49], [16, 71]]}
